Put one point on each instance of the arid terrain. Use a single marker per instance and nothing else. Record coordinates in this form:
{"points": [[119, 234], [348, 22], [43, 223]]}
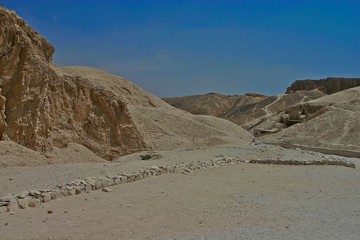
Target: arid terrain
{"points": [[225, 201], [89, 155]]}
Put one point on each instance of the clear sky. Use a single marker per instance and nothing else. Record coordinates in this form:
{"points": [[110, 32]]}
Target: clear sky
{"points": [[181, 47]]}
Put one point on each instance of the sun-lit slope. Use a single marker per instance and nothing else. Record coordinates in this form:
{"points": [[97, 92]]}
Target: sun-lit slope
{"points": [[214, 104], [161, 125], [271, 106], [335, 126], [44, 107], [245, 110]]}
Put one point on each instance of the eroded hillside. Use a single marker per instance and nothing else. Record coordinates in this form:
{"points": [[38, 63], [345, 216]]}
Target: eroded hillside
{"points": [[43, 106]]}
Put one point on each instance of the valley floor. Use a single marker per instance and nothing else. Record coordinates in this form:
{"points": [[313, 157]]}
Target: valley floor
{"points": [[239, 201]]}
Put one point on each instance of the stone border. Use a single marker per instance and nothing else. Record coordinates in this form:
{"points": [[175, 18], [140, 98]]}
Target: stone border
{"points": [[323, 150], [34, 198], [298, 162]]}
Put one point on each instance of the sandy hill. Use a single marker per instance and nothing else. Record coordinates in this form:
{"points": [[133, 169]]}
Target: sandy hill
{"points": [[44, 107], [332, 122]]}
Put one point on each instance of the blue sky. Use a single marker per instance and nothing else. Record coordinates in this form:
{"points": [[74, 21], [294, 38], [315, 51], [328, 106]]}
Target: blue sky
{"points": [[177, 48]]}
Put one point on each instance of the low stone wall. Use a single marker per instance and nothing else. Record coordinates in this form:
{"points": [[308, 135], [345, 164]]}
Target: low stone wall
{"points": [[338, 152], [34, 198]]}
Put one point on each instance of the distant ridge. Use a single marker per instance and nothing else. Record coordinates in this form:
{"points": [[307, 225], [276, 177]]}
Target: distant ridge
{"points": [[214, 104], [245, 110], [328, 85]]}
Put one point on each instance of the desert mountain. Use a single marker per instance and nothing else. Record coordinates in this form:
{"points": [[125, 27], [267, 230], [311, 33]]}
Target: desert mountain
{"points": [[251, 116], [328, 85], [253, 111], [43, 106], [245, 110], [214, 104]]}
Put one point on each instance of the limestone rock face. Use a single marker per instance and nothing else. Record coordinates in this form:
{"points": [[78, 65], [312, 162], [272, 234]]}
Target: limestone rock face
{"points": [[40, 109], [328, 86], [45, 107]]}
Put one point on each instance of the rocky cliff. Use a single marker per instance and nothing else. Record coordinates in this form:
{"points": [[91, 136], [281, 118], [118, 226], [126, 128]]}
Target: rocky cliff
{"points": [[43, 106], [328, 85]]}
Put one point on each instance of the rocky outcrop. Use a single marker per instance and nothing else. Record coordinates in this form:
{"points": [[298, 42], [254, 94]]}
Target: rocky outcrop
{"points": [[328, 85], [43, 106], [40, 109]]}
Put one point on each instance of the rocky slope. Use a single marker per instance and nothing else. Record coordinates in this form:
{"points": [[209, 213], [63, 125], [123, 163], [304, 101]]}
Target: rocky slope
{"points": [[214, 104], [43, 106], [328, 85], [247, 110], [332, 122], [258, 112]]}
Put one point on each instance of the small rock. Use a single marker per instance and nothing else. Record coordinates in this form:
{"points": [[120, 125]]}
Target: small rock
{"points": [[155, 168], [106, 189], [46, 197], [77, 190], [24, 203], [123, 179], [34, 202], [34, 192], [13, 205], [71, 192], [97, 184], [23, 194], [117, 180], [50, 211], [145, 157], [12, 213], [7, 198], [63, 193], [90, 181], [56, 194]]}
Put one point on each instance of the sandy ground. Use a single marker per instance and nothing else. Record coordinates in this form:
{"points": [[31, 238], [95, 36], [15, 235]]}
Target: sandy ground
{"points": [[16, 179], [242, 201]]}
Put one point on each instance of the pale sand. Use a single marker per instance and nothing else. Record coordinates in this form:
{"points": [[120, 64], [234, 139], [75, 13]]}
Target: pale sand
{"points": [[244, 201]]}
